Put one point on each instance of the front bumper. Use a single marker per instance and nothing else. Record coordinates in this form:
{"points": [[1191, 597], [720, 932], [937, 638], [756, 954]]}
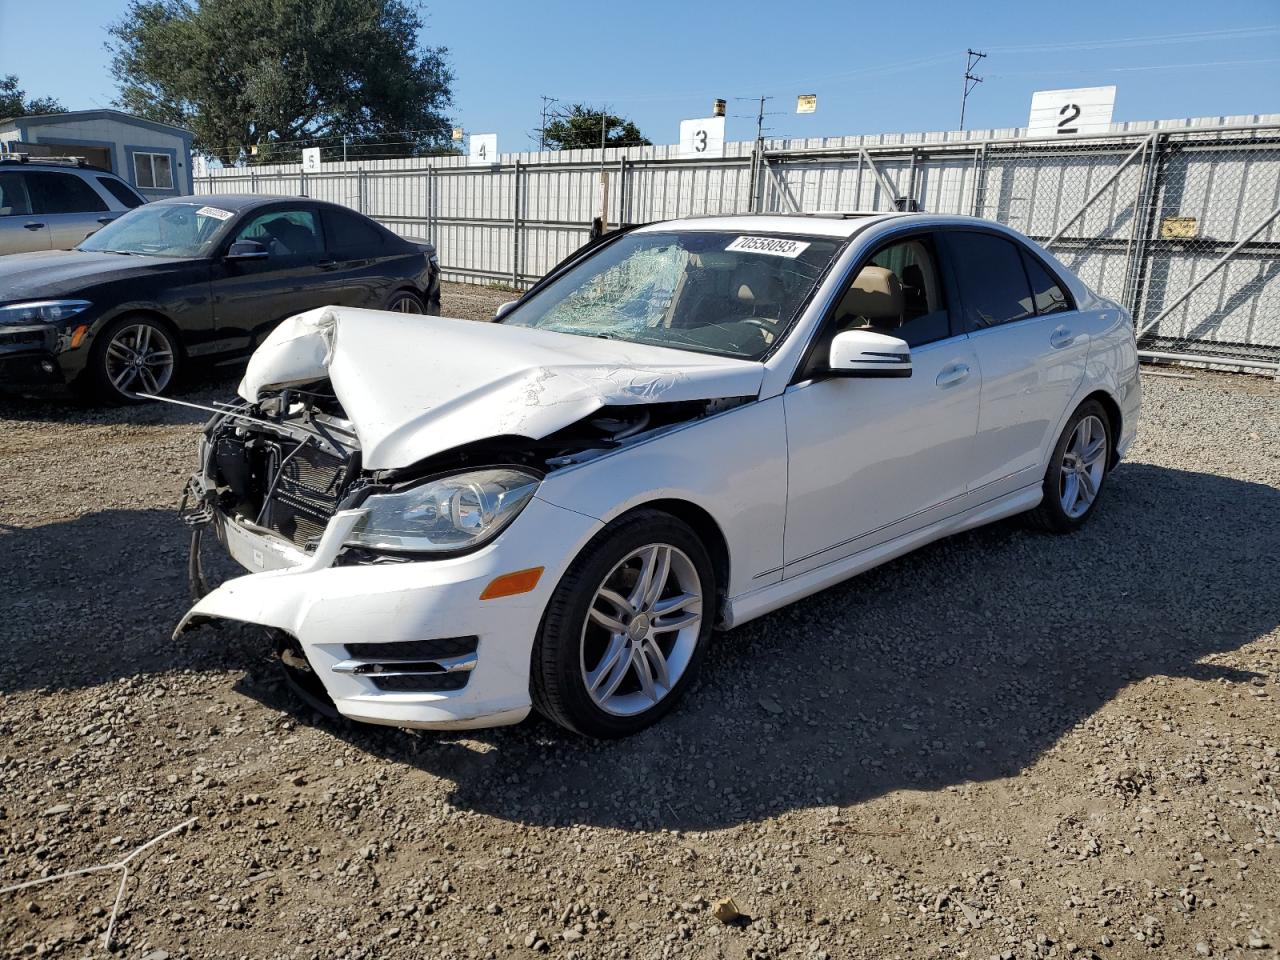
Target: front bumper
{"points": [[328, 607], [36, 358]]}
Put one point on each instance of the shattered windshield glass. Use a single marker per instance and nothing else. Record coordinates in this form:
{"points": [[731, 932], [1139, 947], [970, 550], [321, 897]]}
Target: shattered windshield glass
{"points": [[730, 294]]}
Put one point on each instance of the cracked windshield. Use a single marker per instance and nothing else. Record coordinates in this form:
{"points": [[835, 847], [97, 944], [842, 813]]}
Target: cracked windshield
{"points": [[725, 293]]}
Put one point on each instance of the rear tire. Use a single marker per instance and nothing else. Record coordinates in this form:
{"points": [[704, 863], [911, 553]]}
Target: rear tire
{"points": [[405, 301], [133, 354], [1077, 471], [615, 650]]}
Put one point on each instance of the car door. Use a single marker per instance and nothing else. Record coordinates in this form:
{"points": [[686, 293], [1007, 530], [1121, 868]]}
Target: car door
{"points": [[1031, 349], [69, 207], [356, 273], [872, 459], [20, 230], [251, 296]]}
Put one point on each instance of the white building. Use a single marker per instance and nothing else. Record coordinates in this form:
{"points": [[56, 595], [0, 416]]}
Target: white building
{"points": [[154, 157]]}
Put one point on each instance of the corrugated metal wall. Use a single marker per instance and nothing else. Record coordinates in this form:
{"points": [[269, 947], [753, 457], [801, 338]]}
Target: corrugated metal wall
{"points": [[1099, 203]]}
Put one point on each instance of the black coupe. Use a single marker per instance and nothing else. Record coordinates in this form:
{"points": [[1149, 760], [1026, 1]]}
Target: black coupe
{"points": [[194, 278]]}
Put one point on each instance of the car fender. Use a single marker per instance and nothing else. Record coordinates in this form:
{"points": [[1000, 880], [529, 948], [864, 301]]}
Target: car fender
{"points": [[732, 465]]}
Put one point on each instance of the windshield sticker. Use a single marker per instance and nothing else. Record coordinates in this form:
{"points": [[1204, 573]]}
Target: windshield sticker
{"points": [[215, 213], [773, 246]]}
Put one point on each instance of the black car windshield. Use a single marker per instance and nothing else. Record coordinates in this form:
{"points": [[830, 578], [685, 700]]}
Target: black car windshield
{"points": [[161, 230], [731, 294]]}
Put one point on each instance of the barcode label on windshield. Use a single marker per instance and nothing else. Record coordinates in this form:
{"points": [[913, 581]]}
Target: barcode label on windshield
{"points": [[773, 246], [214, 212]]}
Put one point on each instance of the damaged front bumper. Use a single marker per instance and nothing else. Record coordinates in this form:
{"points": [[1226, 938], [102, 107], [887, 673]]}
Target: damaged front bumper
{"points": [[409, 644]]}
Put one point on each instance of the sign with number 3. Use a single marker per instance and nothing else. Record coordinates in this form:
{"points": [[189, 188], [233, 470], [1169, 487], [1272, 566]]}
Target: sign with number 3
{"points": [[702, 138]]}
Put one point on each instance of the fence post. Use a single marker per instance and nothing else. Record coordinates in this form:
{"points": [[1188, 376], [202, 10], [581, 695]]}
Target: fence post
{"points": [[360, 189], [515, 228], [1144, 219], [302, 182], [622, 190]]}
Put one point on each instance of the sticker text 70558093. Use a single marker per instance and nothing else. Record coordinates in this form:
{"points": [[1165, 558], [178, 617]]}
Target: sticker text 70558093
{"points": [[772, 246]]}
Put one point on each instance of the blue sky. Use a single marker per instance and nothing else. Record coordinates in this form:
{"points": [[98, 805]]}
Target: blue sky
{"points": [[875, 67]]}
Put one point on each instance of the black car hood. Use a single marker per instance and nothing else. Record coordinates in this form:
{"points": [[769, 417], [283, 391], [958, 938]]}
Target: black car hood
{"points": [[65, 272]]}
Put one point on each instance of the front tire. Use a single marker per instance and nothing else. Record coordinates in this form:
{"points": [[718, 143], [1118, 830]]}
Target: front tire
{"points": [[132, 355], [1077, 471], [626, 629]]}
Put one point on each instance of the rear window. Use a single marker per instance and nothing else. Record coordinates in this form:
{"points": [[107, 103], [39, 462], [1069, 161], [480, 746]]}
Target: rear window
{"points": [[62, 193], [121, 192]]}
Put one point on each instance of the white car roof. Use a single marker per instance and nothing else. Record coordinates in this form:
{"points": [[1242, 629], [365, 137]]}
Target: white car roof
{"points": [[816, 224]]}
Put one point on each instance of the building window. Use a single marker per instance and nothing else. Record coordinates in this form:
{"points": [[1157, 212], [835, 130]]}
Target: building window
{"points": [[153, 171]]}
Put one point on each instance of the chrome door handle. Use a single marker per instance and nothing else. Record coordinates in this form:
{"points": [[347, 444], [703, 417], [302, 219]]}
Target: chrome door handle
{"points": [[955, 373], [1062, 337], [34, 226]]}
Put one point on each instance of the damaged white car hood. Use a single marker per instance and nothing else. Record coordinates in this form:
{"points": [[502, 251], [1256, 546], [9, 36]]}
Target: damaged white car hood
{"points": [[414, 386]]}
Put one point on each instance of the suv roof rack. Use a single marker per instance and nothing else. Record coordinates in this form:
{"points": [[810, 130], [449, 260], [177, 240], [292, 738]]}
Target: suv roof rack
{"points": [[56, 161]]}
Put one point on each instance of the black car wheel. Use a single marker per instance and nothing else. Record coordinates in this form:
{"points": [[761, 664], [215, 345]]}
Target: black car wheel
{"points": [[402, 301], [133, 355]]}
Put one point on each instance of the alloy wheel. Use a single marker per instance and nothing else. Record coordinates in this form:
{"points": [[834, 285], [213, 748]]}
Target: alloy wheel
{"points": [[641, 630], [139, 357], [1084, 463], [406, 303]]}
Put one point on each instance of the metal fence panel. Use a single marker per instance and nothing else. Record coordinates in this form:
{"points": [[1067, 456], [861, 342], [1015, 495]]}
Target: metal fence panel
{"points": [[1179, 222]]}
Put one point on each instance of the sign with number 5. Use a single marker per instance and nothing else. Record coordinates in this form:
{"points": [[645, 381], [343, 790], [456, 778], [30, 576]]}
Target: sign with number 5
{"points": [[1056, 113], [702, 138]]}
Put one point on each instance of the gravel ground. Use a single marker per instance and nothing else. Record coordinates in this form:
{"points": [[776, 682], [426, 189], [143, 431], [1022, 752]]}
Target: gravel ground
{"points": [[1006, 745]]}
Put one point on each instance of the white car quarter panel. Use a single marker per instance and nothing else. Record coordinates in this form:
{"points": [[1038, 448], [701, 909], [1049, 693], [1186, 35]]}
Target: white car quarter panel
{"points": [[733, 465], [870, 458]]}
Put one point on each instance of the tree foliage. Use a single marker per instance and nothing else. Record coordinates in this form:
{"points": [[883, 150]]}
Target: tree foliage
{"points": [[578, 128], [267, 74], [14, 102]]}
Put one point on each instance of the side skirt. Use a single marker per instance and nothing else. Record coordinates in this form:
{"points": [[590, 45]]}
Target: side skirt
{"points": [[756, 603]]}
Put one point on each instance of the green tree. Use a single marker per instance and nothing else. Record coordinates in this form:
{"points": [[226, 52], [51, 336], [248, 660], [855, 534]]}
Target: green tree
{"points": [[14, 102], [268, 74], [578, 128]]}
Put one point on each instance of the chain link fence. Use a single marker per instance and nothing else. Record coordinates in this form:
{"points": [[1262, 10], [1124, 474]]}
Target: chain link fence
{"points": [[1180, 225]]}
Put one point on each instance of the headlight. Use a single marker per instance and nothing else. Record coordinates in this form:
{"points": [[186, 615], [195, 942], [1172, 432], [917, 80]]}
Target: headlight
{"points": [[42, 311], [451, 513]]}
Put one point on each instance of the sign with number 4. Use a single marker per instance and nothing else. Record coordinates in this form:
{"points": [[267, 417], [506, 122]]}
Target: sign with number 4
{"points": [[484, 149], [702, 138], [1056, 113]]}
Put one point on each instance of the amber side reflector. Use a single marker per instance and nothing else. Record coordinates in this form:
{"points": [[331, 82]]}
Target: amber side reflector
{"points": [[77, 337], [509, 584]]}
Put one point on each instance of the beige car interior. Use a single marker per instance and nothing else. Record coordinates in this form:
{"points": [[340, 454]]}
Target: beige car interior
{"points": [[898, 286]]}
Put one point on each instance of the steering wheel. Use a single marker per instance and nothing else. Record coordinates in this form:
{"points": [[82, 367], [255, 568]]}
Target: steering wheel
{"points": [[771, 327]]}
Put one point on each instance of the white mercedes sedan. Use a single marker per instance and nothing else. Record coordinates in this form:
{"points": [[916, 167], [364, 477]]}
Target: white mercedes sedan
{"points": [[682, 427]]}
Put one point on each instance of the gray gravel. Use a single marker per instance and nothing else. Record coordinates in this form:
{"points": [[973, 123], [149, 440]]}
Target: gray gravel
{"points": [[1006, 745]]}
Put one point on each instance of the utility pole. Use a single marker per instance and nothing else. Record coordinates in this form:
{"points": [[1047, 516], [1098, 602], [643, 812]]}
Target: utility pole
{"points": [[604, 176], [970, 81], [542, 130]]}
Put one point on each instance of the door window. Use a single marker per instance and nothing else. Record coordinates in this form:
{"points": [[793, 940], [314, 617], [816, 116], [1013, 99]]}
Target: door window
{"points": [[62, 193], [991, 278], [117, 189], [13, 196], [898, 292], [284, 233], [351, 236], [153, 171]]}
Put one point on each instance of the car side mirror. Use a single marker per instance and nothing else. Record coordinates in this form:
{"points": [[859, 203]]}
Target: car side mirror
{"points": [[864, 353], [503, 310], [247, 250]]}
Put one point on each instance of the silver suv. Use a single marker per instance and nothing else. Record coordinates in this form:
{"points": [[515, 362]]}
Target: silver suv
{"points": [[50, 203]]}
